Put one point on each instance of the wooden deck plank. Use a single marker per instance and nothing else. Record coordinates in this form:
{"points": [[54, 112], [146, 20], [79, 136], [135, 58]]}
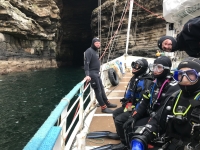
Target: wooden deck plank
{"points": [[102, 124]]}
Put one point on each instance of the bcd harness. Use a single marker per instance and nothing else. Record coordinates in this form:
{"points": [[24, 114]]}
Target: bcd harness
{"points": [[154, 102], [179, 114], [136, 89]]}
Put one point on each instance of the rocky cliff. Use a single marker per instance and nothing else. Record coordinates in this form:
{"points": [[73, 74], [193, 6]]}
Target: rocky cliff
{"points": [[146, 27], [45, 33], [29, 31]]}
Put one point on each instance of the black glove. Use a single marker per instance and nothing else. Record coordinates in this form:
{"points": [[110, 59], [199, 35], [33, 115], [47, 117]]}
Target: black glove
{"points": [[124, 101], [129, 122]]}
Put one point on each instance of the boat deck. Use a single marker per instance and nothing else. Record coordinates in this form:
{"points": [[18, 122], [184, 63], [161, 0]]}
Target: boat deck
{"points": [[104, 122]]}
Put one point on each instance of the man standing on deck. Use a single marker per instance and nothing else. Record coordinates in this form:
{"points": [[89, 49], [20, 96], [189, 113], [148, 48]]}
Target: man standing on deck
{"points": [[92, 69]]}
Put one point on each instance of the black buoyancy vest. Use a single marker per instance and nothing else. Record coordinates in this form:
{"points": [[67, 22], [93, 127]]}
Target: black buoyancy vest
{"points": [[180, 127]]}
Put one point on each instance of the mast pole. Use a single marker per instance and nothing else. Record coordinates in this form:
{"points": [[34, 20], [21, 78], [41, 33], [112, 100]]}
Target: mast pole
{"points": [[129, 25]]}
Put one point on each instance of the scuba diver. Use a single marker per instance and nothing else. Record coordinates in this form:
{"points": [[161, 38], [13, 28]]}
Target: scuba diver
{"points": [[187, 40], [137, 84], [178, 120], [153, 99]]}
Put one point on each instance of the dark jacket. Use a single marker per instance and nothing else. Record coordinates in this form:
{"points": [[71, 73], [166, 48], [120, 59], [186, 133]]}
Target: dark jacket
{"points": [[91, 61], [189, 38]]}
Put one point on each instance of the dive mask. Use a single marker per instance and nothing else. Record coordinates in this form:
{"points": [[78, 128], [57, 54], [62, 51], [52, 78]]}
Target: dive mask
{"points": [[191, 75]]}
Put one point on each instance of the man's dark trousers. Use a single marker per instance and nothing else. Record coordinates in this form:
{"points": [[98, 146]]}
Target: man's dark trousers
{"points": [[120, 117], [97, 85]]}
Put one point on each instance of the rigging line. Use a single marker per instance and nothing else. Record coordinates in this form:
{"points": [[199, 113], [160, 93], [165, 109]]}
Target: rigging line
{"points": [[111, 26], [114, 44], [98, 19], [113, 18], [111, 22], [120, 23], [136, 24], [149, 11], [99, 22]]}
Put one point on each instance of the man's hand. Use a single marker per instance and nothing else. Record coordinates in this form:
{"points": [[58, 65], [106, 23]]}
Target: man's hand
{"points": [[87, 78], [124, 101]]}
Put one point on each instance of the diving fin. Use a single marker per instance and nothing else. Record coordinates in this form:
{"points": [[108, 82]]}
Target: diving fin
{"points": [[119, 146], [102, 134], [104, 147]]}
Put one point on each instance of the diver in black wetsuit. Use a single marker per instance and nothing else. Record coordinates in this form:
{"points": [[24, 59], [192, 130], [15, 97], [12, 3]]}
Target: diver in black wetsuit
{"points": [[92, 69], [137, 85], [179, 118], [164, 85]]}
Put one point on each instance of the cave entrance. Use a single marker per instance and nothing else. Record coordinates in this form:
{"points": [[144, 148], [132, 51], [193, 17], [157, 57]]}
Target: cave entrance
{"points": [[77, 33]]}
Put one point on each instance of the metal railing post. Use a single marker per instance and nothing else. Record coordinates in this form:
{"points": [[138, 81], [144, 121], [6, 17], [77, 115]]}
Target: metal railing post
{"points": [[81, 105]]}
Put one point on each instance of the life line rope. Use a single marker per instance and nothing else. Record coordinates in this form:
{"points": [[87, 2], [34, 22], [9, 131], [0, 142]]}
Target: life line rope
{"points": [[158, 16]]}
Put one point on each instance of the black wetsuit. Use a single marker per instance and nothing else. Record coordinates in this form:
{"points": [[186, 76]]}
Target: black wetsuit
{"points": [[119, 116], [92, 69], [91, 62], [171, 127], [147, 110], [177, 130]]}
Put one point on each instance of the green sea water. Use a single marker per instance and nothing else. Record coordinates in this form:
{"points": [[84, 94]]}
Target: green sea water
{"points": [[27, 99]]}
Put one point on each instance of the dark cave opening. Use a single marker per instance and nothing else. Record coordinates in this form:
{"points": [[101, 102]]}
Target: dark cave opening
{"points": [[77, 34]]}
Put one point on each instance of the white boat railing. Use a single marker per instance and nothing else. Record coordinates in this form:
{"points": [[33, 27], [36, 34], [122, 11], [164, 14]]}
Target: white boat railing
{"points": [[54, 132], [60, 131]]}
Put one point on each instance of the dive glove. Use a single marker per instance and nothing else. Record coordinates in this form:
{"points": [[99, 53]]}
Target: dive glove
{"points": [[124, 101]]}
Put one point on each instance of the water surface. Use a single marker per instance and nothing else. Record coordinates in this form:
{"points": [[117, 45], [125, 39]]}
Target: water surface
{"points": [[27, 99]]}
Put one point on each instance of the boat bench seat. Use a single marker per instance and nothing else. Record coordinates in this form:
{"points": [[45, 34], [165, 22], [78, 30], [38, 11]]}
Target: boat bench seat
{"points": [[50, 140]]}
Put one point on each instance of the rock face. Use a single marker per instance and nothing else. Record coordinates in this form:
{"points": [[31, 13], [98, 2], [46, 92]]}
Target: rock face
{"points": [[29, 32], [45, 33], [146, 27]]}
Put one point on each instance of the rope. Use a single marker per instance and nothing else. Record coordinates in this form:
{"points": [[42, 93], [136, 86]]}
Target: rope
{"points": [[136, 24], [158, 16], [114, 44], [99, 23], [120, 23], [112, 24]]}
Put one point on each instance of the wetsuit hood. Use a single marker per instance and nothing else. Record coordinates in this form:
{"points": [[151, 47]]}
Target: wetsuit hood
{"points": [[93, 41], [193, 63], [165, 61], [174, 42], [144, 65]]}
